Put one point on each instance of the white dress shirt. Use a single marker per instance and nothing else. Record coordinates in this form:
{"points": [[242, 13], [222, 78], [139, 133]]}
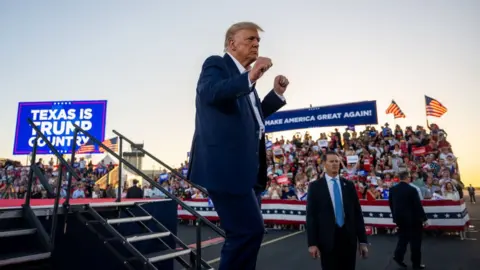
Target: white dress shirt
{"points": [[330, 183], [253, 100]]}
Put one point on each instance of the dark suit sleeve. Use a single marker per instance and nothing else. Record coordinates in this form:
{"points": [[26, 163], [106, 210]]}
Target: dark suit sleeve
{"points": [[312, 214], [359, 222], [418, 207], [215, 85], [129, 193], [271, 103]]}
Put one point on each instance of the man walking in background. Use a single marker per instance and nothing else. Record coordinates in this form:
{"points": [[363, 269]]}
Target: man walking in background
{"points": [[134, 192], [409, 216], [471, 193], [230, 134]]}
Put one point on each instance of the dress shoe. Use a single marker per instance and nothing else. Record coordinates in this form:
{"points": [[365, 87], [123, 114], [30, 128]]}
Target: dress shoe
{"points": [[421, 266], [400, 263]]}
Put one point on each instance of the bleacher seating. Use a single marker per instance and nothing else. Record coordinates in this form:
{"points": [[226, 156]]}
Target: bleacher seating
{"points": [[371, 158]]}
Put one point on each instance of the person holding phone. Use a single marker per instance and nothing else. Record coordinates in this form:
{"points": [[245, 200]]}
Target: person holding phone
{"points": [[335, 226]]}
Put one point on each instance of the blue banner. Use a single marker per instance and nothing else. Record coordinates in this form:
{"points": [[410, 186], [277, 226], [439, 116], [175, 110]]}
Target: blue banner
{"points": [[55, 120], [350, 114]]}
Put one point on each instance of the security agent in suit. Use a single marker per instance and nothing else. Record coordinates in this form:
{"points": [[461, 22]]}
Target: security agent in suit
{"points": [[228, 149], [335, 226], [408, 214], [134, 192]]}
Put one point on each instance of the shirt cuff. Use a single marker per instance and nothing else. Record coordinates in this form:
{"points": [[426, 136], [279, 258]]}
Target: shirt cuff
{"points": [[250, 84], [279, 96]]}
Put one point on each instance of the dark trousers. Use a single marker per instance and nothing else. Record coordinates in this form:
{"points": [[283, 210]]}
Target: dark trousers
{"points": [[242, 221], [343, 255], [472, 198], [412, 234]]}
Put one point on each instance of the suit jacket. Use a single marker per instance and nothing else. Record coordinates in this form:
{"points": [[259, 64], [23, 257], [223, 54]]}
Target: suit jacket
{"points": [[226, 154], [405, 205], [134, 193], [321, 217]]}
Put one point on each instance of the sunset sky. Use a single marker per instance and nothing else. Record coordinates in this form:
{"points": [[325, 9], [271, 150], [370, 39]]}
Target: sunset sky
{"points": [[144, 57]]}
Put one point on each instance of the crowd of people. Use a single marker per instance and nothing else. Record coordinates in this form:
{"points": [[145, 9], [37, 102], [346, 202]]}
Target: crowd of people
{"points": [[14, 179], [370, 158]]}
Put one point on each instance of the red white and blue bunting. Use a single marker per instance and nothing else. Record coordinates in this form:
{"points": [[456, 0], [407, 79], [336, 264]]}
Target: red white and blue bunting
{"points": [[442, 214]]}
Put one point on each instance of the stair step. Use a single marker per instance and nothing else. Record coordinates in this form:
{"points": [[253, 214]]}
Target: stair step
{"points": [[129, 219], [166, 254], [146, 236], [18, 232], [23, 257]]}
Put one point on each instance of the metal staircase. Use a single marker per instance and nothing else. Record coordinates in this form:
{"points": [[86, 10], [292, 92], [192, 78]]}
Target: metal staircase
{"points": [[24, 242], [108, 222]]}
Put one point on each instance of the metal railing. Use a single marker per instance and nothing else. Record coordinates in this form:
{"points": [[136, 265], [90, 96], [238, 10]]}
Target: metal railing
{"points": [[179, 175], [198, 218], [197, 257], [36, 172]]}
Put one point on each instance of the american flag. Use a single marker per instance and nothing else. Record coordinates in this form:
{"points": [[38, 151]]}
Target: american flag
{"points": [[112, 144], [395, 110], [87, 148], [434, 107]]}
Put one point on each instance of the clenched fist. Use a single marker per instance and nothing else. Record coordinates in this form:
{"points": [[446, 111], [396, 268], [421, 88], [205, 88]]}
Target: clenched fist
{"points": [[261, 66], [280, 84]]}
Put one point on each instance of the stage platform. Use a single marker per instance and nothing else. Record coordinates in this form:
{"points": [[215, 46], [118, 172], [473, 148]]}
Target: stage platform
{"points": [[44, 207], [48, 203], [86, 235]]}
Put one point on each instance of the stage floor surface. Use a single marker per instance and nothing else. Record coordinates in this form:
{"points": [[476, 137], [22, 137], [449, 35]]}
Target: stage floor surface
{"points": [[288, 250]]}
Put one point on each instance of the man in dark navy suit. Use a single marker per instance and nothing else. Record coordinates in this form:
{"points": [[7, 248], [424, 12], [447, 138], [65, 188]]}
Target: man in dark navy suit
{"points": [[409, 216], [335, 226], [228, 155]]}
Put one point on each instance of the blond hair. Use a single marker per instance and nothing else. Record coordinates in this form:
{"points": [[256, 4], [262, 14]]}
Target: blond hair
{"points": [[235, 28]]}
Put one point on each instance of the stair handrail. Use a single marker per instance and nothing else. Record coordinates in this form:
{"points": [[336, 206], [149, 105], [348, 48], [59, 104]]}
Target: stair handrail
{"points": [[202, 189], [69, 168], [149, 180], [43, 181]]}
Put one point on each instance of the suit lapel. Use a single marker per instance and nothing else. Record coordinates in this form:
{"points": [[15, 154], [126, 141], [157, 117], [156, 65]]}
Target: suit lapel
{"points": [[233, 72], [343, 186]]}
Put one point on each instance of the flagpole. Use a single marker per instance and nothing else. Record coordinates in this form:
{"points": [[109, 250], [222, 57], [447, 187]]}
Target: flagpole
{"points": [[426, 112]]}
